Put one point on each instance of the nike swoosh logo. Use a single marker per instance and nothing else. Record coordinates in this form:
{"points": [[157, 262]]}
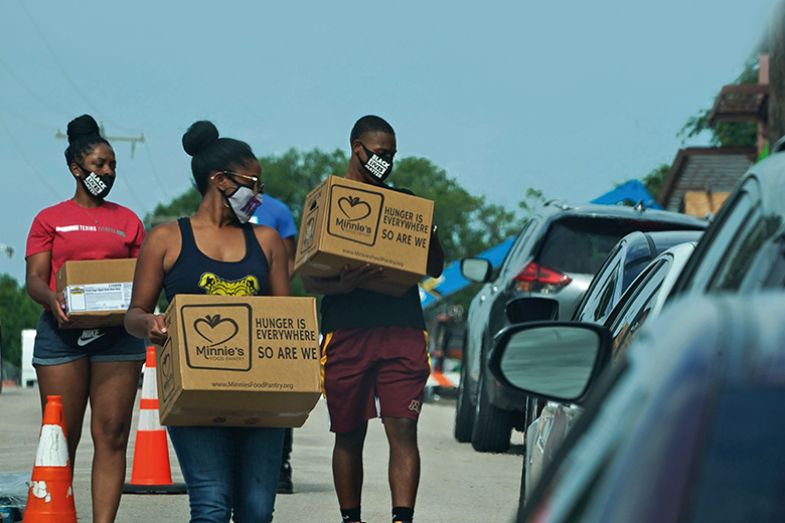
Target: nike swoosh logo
{"points": [[84, 340]]}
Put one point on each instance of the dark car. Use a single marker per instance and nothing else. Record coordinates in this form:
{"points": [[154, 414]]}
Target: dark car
{"points": [[686, 428], [624, 263], [555, 256], [632, 282]]}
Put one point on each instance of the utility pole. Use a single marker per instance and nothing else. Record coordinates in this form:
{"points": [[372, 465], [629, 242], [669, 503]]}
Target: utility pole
{"points": [[776, 120], [132, 139]]}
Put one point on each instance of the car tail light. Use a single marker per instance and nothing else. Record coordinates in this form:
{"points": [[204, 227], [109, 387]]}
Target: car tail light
{"points": [[536, 278]]}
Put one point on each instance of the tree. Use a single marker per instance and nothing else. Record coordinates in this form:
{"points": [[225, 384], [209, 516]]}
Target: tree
{"points": [[655, 180], [727, 134], [17, 311]]}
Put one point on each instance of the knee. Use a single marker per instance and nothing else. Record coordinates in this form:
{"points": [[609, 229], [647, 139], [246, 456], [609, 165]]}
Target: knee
{"points": [[350, 441], [111, 434], [401, 432]]}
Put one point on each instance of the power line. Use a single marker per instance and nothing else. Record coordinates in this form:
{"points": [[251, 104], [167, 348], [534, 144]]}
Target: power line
{"points": [[154, 171], [28, 90], [41, 177], [63, 70]]}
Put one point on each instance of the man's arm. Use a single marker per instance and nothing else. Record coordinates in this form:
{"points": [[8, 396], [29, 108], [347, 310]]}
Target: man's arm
{"points": [[435, 255]]}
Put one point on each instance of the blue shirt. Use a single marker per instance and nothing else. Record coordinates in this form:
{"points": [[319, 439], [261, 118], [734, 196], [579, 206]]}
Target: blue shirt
{"points": [[274, 213]]}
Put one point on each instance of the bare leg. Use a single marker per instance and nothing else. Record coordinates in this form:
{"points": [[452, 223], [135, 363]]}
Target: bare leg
{"points": [[348, 466], [404, 467], [112, 392], [71, 381]]}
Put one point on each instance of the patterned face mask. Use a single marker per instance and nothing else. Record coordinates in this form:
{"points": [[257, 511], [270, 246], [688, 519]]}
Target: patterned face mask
{"points": [[98, 186], [243, 202]]}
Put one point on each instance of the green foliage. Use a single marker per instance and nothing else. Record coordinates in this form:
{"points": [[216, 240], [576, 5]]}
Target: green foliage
{"points": [[468, 224], [17, 311], [726, 134], [655, 180]]}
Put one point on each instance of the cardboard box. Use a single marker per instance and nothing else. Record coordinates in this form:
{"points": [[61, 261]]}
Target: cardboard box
{"points": [[97, 292], [351, 223], [239, 361]]}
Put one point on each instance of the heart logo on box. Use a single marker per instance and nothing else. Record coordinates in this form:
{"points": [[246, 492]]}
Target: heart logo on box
{"points": [[354, 208], [215, 329]]}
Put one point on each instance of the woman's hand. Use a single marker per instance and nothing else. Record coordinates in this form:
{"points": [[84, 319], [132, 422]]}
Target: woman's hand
{"points": [[156, 328], [57, 306]]}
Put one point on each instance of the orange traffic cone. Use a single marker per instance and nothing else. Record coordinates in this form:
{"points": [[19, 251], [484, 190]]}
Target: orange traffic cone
{"points": [[51, 496], [151, 472]]}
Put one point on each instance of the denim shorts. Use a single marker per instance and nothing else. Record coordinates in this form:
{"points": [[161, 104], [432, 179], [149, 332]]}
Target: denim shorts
{"points": [[55, 346]]}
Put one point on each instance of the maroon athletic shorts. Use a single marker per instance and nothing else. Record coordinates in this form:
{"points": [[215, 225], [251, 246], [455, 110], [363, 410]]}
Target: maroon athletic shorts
{"points": [[360, 365]]}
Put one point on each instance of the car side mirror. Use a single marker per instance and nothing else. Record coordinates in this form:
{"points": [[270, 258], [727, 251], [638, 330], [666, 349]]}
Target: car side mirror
{"points": [[521, 310], [554, 360], [476, 269]]}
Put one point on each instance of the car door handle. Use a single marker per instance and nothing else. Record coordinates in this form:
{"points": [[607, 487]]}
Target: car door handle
{"points": [[494, 289], [482, 298]]}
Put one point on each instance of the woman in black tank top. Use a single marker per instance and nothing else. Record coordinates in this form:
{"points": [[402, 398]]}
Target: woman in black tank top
{"points": [[216, 251]]}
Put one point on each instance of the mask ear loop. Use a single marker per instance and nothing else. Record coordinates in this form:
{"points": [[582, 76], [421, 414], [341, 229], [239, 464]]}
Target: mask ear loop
{"points": [[220, 191]]}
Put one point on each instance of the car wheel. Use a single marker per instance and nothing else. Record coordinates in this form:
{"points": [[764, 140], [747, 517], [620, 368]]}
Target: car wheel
{"points": [[464, 410], [492, 426]]}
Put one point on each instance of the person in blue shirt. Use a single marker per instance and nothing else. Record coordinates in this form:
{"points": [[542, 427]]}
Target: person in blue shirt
{"points": [[275, 214]]}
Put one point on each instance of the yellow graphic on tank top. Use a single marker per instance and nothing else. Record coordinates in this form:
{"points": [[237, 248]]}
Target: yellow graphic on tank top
{"points": [[215, 285]]}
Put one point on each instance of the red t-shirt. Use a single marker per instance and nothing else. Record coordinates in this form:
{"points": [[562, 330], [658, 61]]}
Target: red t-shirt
{"points": [[72, 232]]}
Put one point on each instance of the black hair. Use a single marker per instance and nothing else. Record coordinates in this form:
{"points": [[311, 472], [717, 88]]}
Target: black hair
{"points": [[210, 153], [370, 124], [83, 136]]}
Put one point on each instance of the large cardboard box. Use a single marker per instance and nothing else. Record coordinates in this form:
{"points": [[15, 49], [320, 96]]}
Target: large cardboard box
{"points": [[239, 361], [345, 222], [97, 292]]}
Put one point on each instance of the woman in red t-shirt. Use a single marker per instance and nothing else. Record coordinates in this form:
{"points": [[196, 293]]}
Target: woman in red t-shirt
{"points": [[100, 364]]}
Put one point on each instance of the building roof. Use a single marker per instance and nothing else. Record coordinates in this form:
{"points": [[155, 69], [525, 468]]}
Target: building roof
{"points": [[740, 103], [712, 169]]}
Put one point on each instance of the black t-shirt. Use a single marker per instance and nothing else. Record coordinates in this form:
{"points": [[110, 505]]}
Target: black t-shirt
{"points": [[363, 309]]}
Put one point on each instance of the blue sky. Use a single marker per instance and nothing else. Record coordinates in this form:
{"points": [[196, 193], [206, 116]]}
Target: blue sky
{"points": [[569, 97]]}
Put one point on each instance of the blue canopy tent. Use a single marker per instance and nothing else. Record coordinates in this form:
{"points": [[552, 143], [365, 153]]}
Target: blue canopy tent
{"points": [[630, 192], [432, 290]]}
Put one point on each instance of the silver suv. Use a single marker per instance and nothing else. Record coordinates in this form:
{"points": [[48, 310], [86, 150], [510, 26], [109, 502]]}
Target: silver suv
{"points": [[555, 256]]}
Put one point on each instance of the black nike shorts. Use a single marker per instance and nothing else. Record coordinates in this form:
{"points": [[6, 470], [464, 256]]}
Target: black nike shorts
{"points": [[55, 346]]}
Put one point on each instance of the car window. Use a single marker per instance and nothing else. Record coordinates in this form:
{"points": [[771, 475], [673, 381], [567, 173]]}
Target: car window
{"points": [[587, 310], [715, 243], [578, 246], [636, 305], [607, 300], [739, 258]]}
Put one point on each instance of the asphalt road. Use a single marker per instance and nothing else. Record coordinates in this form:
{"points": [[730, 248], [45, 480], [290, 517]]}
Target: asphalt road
{"points": [[458, 485]]}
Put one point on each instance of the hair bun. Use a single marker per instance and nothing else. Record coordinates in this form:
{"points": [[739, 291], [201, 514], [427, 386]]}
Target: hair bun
{"points": [[200, 135], [82, 126]]}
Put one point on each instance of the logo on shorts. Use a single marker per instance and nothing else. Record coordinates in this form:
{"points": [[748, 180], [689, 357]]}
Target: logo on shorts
{"points": [[415, 406], [89, 336]]}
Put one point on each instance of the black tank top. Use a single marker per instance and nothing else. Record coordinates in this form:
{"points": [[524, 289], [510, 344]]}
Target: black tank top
{"points": [[194, 273]]}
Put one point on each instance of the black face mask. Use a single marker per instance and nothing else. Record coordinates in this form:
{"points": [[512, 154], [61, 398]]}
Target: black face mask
{"points": [[98, 186], [378, 166]]}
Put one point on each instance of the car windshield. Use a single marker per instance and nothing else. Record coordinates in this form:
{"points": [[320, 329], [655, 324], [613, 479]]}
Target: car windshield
{"points": [[581, 245]]}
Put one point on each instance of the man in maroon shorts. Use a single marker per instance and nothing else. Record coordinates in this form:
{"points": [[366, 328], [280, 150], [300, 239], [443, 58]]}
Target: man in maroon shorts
{"points": [[374, 347]]}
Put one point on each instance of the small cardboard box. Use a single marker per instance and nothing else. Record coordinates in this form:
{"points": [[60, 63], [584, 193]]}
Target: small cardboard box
{"points": [[351, 223], [239, 361], [97, 292]]}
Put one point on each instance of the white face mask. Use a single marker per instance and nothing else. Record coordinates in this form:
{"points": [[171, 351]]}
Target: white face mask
{"points": [[243, 203]]}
